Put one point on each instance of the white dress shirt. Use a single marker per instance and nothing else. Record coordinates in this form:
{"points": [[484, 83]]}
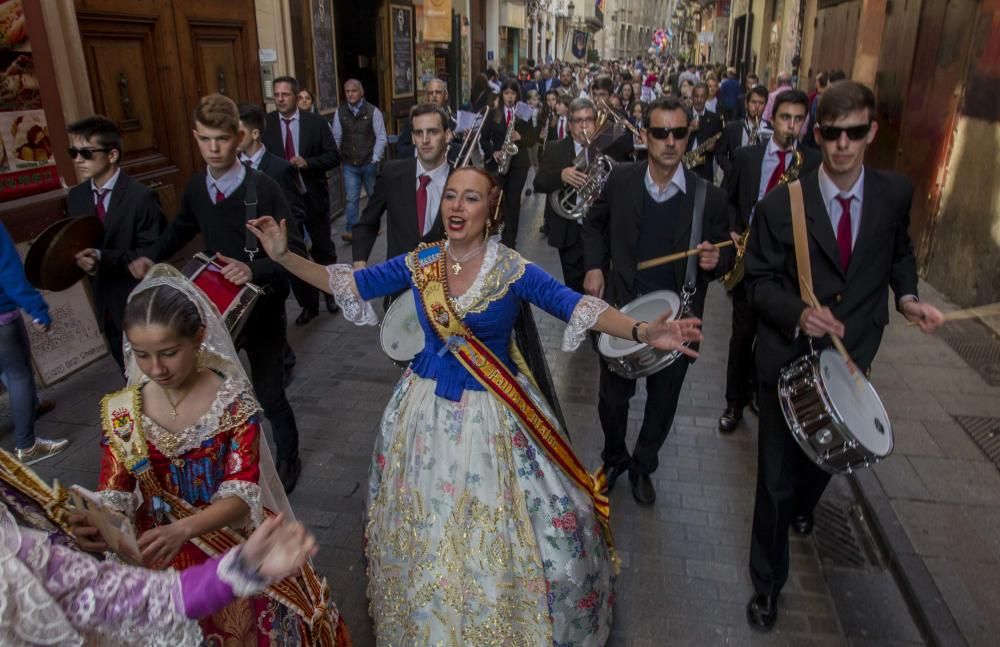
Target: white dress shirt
{"points": [[712, 104], [228, 183], [770, 163], [435, 189], [676, 185], [108, 187], [830, 193]]}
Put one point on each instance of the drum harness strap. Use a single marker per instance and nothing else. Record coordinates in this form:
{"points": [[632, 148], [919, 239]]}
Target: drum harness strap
{"points": [[250, 203], [697, 220], [800, 237]]}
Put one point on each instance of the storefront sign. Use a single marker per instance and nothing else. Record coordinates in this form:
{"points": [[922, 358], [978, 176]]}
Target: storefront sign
{"points": [[437, 21], [401, 46]]}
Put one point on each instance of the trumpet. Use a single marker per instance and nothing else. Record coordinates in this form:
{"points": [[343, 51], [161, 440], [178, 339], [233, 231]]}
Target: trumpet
{"points": [[471, 139], [508, 150]]}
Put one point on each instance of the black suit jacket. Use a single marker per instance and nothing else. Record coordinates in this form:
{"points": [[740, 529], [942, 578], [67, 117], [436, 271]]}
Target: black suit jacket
{"points": [[882, 258], [283, 173], [395, 193], [316, 147], [134, 220], [709, 125], [559, 154], [611, 232], [732, 140], [742, 183]]}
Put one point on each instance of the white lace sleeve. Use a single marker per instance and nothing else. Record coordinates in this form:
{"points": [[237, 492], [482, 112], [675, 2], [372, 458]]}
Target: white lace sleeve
{"points": [[232, 572], [345, 293], [584, 317], [249, 493], [124, 502]]}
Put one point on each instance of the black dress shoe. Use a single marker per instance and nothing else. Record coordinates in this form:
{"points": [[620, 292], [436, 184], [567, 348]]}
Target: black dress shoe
{"points": [[642, 487], [802, 524], [331, 304], [762, 611], [611, 473], [288, 473], [307, 315], [730, 418]]}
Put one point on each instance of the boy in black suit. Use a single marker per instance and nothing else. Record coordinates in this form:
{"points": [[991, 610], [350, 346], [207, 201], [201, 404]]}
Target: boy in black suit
{"points": [[129, 210], [856, 220], [214, 204]]}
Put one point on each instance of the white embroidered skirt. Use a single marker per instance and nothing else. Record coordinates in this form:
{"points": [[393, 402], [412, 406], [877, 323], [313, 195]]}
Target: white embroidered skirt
{"points": [[474, 537]]}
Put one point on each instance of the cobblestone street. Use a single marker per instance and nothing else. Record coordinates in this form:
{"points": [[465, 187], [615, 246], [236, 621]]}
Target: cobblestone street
{"points": [[684, 579]]}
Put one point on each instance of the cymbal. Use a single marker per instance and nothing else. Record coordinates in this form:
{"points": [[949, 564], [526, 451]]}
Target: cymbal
{"points": [[50, 263]]}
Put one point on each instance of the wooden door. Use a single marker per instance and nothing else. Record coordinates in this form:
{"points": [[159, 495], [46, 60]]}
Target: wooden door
{"points": [[478, 29]]}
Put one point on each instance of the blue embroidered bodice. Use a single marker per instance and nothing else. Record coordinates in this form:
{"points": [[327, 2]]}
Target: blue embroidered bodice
{"points": [[489, 308]]}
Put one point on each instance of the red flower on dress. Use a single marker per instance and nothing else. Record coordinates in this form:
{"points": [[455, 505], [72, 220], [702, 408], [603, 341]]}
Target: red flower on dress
{"points": [[519, 440], [380, 459], [588, 602], [569, 521]]}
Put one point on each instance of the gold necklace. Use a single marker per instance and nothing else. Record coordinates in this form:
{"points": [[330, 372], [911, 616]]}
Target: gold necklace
{"points": [[174, 405], [456, 267]]}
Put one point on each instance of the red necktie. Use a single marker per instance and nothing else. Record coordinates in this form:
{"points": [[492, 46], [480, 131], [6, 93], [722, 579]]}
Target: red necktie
{"points": [[562, 131], [289, 142], [219, 195], [844, 231], [422, 202], [508, 117], [779, 170], [99, 205]]}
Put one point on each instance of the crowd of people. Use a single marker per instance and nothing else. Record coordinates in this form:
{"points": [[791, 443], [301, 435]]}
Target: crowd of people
{"points": [[482, 525]]}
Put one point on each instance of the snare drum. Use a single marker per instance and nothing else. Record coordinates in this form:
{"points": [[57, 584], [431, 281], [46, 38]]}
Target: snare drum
{"points": [[400, 333], [631, 359], [836, 417], [235, 302]]}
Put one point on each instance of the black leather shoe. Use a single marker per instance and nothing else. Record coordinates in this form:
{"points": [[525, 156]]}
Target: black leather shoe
{"points": [[730, 418], [762, 611], [288, 473], [331, 304], [642, 488], [802, 524], [307, 315], [611, 473]]}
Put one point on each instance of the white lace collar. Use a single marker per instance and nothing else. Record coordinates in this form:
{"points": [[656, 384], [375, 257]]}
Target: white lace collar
{"points": [[464, 301]]}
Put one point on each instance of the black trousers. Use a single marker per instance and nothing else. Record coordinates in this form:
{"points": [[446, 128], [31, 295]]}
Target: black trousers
{"points": [[322, 251], [788, 484], [663, 390], [573, 267], [741, 372], [513, 185], [264, 340]]}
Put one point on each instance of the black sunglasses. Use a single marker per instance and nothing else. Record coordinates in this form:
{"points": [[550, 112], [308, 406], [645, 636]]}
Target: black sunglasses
{"points": [[680, 132], [86, 153], [854, 133]]}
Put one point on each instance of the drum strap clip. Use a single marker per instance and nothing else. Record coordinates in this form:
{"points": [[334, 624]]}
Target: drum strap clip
{"points": [[250, 204]]}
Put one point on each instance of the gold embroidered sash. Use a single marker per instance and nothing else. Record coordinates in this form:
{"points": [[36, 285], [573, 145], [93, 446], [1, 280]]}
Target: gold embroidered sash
{"points": [[307, 594], [428, 269]]}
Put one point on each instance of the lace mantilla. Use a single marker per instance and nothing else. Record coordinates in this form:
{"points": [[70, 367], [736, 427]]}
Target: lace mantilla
{"points": [[234, 404], [345, 293], [235, 573], [584, 317], [124, 502], [250, 493]]}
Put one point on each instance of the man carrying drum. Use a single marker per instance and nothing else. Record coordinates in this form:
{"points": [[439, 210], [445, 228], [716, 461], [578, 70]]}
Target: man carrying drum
{"points": [[855, 224], [647, 210]]}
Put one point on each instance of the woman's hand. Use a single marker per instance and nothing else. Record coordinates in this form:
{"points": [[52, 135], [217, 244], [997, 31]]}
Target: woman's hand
{"points": [[276, 550], [88, 537], [665, 334], [273, 236], [159, 546]]}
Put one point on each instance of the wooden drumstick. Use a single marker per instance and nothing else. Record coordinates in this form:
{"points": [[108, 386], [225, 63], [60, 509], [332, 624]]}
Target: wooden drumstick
{"points": [[670, 258], [838, 343], [990, 310]]}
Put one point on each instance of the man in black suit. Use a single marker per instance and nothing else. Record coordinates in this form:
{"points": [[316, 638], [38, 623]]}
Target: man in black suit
{"points": [[436, 93], [705, 124], [857, 220], [756, 170], [646, 210], [131, 215], [741, 132], [405, 184], [556, 171], [305, 140]]}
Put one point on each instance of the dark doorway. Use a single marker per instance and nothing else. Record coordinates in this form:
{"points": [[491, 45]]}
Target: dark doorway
{"points": [[357, 26]]}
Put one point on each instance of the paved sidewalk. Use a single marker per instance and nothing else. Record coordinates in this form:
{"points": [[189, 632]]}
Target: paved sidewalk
{"points": [[684, 578]]}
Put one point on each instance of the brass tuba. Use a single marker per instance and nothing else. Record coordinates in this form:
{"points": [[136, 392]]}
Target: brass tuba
{"points": [[732, 278], [572, 203]]}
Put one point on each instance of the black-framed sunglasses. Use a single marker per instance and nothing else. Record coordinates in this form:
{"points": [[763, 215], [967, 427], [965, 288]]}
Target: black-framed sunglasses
{"points": [[86, 153], [680, 132], [854, 133]]}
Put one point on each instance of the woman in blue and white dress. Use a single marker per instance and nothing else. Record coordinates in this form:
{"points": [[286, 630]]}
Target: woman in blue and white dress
{"points": [[475, 534]]}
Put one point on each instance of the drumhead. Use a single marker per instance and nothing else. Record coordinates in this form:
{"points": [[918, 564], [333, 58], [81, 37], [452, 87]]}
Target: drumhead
{"points": [[400, 333], [856, 404], [646, 308]]}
